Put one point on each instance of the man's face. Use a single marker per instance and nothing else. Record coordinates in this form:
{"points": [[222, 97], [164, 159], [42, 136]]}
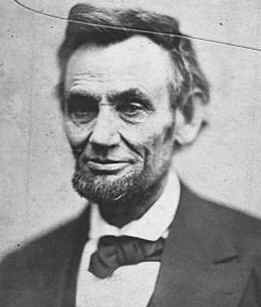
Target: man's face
{"points": [[118, 118]]}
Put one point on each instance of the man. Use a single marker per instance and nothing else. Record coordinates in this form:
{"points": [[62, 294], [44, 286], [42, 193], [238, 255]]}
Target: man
{"points": [[132, 93]]}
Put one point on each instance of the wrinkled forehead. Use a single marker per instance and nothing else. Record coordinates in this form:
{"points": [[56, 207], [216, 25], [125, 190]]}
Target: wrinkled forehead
{"points": [[137, 58]]}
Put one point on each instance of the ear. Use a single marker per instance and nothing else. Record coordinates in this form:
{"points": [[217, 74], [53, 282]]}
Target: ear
{"points": [[189, 121]]}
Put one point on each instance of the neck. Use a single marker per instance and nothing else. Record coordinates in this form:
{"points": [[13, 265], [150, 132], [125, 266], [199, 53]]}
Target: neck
{"points": [[120, 214]]}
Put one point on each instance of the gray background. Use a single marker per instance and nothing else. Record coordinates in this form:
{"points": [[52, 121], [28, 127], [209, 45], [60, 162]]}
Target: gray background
{"points": [[35, 160]]}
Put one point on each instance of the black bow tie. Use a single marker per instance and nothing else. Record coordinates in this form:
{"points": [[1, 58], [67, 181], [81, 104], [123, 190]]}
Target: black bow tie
{"points": [[113, 252]]}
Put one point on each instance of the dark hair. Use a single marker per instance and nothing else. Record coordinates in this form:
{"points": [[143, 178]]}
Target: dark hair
{"points": [[104, 26]]}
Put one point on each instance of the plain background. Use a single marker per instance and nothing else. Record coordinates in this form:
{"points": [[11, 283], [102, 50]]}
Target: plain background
{"points": [[35, 160]]}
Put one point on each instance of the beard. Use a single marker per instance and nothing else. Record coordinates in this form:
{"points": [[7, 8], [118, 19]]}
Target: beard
{"points": [[120, 200], [124, 196], [104, 190]]}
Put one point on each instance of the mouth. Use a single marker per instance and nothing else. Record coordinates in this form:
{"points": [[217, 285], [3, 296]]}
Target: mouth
{"points": [[108, 166]]}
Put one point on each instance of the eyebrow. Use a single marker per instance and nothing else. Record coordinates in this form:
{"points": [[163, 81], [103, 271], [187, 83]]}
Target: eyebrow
{"points": [[82, 94], [113, 97], [127, 94]]}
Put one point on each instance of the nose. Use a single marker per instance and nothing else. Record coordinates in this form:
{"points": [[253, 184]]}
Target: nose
{"points": [[105, 131]]}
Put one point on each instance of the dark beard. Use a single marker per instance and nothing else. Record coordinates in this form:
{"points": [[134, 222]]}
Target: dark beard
{"points": [[122, 200], [102, 191]]}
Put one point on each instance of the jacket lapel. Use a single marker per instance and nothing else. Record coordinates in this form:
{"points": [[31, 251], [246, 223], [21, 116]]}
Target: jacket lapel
{"points": [[200, 266]]}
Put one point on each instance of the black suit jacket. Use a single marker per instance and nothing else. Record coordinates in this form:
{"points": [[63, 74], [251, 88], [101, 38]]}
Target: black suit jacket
{"points": [[212, 258]]}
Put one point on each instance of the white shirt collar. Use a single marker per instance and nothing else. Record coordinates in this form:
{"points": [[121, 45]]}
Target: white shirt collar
{"points": [[152, 225]]}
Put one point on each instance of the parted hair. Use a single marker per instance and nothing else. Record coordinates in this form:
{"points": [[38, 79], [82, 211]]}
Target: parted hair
{"points": [[88, 24]]}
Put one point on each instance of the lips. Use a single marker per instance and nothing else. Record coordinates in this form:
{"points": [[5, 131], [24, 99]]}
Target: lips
{"points": [[106, 165]]}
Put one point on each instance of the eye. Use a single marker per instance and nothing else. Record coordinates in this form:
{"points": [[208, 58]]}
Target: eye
{"points": [[132, 109], [81, 110], [84, 116]]}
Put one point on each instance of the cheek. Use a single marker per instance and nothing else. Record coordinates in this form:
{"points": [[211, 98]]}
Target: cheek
{"points": [[160, 148], [75, 134], [150, 140], [137, 138], [162, 144]]}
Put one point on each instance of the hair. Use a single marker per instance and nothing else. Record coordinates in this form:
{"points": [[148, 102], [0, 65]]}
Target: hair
{"points": [[104, 26]]}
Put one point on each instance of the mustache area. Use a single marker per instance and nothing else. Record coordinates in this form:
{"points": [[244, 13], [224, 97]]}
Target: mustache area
{"points": [[127, 151]]}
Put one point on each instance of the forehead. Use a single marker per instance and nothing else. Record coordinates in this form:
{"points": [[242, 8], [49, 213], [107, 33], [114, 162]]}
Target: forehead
{"points": [[136, 60]]}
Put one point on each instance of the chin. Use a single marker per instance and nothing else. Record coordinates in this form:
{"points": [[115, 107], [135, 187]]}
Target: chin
{"points": [[114, 188]]}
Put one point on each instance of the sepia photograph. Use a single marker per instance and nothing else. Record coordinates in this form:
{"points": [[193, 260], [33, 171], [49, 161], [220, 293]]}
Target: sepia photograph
{"points": [[130, 165]]}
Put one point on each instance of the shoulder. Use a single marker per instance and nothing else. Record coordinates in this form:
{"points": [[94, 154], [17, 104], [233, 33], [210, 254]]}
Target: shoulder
{"points": [[50, 245], [42, 248], [242, 229], [38, 263], [41, 245]]}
